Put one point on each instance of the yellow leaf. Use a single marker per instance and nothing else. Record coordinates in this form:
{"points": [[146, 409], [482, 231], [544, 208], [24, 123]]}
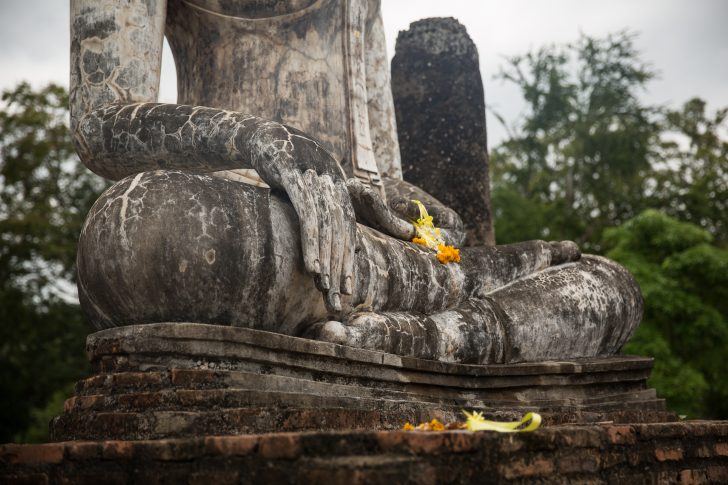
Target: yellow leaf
{"points": [[476, 422]]}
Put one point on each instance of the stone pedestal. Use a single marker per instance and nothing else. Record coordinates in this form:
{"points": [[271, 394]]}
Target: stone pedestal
{"points": [[192, 403], [183, 380]]}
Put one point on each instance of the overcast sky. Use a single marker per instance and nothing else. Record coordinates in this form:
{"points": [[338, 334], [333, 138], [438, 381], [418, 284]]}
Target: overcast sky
{"points": [[686, 40]]}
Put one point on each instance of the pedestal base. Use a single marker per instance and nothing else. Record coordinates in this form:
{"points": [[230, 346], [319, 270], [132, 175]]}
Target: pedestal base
{"points": [[184, 380]]}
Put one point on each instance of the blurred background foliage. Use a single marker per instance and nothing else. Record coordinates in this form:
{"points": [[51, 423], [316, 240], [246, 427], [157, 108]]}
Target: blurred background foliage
{"points": [[45, 194], [587, 161], [644, 185]]}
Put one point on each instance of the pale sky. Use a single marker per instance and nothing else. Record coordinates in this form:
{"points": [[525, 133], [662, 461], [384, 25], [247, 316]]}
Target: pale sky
{"points": [[685, 40]]}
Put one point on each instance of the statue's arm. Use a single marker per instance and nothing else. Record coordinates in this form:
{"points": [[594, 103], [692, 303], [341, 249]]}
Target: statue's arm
{"points": [[120, 130]]}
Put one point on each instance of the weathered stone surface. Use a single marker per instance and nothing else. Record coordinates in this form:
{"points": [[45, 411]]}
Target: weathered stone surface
{"points": [[180, 379], [440, 107], [559, 454], [171, 242]]}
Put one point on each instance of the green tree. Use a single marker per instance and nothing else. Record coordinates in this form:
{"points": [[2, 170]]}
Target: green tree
{"points": [[692, 182], [684, 280], [577, 160], [588, 160], [45, 194]]}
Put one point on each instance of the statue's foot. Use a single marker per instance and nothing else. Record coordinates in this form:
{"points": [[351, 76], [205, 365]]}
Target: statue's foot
{"points": [[464, 334], [564, 252]]}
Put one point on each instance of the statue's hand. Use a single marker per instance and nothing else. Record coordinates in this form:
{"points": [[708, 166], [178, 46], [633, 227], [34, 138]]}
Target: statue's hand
{"points": [[288, 159], [395, 219], [372, 211], [400, 195], [443, 217]]}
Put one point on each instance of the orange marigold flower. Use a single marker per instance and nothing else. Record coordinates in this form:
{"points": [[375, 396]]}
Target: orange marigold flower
{"points": [[436, 425], [448, 254], [408, 427], [419, 240]]}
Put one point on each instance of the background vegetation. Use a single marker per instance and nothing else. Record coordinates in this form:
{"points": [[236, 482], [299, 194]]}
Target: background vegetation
{"points": [[587, 161], [645, 185]]}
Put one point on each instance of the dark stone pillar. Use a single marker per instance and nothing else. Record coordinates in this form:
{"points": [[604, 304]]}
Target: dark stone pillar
{"points": [[440, 108]]}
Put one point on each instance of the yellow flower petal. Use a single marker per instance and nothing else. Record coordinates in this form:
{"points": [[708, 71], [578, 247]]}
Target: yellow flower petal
{"points": [[430, 236]]}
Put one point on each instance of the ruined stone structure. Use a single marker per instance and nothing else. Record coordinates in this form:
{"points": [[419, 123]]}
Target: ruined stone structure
{"points": [[440, 107], [277, 180], [194, 403], [184, 380]]}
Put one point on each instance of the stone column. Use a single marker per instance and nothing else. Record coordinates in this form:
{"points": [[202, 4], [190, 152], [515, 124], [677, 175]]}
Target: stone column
{"points": [[440, 109]]}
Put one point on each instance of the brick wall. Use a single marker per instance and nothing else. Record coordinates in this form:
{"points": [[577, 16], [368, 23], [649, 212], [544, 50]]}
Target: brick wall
{"points": [[685, 452]]}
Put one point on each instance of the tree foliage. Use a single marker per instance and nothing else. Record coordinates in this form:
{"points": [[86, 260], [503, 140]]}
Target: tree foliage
{"points": [[590, 162], [691, 182], [581, 151], [684, 280], [589, 154], [45, 194]]}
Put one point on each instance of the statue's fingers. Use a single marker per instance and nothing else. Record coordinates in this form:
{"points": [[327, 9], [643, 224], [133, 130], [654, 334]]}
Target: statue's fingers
{"points": [[376, 212], [325, 232], [347, 265], [405, 208], [300, 193], [337, 246]]}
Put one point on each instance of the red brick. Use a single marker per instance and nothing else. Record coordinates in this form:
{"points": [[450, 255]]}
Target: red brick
{"points": [[195, 377], [169, 450], [137, 379], [581, 438], [105, 477], [718, 473], [721, 449], [25, 479], [660, 430], [117, 450], [214, 478], [669, 454], [50, 453], [693, 477], [621, 435], [427, 443], [578, 461], [610, 458], [702, 451], [83, 403], [510, 443], [231, 445], [140, 400], [83, 450], [391, 440], [283, 445], [532, 466], [69, 404], [463, 441]]}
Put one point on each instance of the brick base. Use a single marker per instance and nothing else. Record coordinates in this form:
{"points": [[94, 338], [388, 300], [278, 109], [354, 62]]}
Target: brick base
{"points": [[685, 452]]}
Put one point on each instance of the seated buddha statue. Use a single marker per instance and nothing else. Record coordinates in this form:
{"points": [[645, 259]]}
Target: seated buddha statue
{"points": [[271, 195]]}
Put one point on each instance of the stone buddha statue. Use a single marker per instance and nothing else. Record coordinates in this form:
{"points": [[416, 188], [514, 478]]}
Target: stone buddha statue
{"points": [[271, 195]]}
